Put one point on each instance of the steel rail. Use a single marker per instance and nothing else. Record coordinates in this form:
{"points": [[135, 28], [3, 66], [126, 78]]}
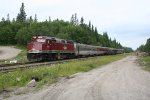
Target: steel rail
{"points": [[12, 67]]}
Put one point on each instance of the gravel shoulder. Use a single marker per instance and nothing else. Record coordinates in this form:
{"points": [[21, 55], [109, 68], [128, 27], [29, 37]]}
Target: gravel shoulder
{"points": [[7, 52], [120, 80]]}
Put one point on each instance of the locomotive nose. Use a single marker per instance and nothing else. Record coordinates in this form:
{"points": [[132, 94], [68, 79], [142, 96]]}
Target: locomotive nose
{"points": [[34, 47]]}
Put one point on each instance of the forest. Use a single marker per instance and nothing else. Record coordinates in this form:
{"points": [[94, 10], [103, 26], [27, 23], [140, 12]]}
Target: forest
{"points": [[20, 30], [145, 47]]}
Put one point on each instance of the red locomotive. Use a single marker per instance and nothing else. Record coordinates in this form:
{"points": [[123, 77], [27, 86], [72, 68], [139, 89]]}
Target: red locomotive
{"points": [[51, 48]]}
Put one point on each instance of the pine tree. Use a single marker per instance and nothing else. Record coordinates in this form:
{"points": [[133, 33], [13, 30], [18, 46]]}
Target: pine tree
{"points": [[35, 18], [29, 20], [72, 19], [49, 19], [92, 28], [147, 45], [8, 18], [96, 30], [77, 22], [82, 21], [57, 19], [89, 24], [106, 40], [75, 19], [13, 20], [22, 14], [3, 19]]}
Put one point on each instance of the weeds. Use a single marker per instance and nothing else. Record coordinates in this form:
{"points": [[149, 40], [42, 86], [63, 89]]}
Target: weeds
{"points": [[146, 62], [50, 74]]}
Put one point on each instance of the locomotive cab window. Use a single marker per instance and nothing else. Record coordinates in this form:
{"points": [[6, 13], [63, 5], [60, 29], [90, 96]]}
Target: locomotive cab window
{"points": [[63, 41], [53, 41], [39, 40]]}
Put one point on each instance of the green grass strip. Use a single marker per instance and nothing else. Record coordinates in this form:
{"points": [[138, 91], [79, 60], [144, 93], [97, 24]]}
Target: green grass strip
{"points": [[50, 74], [146, 62]]}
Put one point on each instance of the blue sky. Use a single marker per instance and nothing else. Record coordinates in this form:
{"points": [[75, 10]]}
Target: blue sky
{"points": [[128, 21]]}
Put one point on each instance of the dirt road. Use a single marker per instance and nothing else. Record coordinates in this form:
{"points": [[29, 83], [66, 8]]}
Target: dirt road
{"points": [[120, 80], [7, 52]]}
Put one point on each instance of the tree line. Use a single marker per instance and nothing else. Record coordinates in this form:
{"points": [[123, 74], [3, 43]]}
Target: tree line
{"points": [[145, 47], [20, 30]]}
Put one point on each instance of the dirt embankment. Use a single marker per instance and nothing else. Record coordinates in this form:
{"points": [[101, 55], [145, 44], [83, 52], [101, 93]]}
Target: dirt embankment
{"points": [[120, 80], [7, 52]]}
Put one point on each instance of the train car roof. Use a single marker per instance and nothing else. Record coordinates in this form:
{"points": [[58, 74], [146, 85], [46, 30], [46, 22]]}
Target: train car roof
{"points": [[53, 38]]}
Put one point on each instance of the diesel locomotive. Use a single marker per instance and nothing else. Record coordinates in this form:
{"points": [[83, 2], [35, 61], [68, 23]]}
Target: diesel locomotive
{"points": [[50, 48]]}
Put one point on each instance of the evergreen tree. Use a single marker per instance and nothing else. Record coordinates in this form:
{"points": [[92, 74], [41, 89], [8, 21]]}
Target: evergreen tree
{"points": [[72, 19], [147, 45], [82, 21], [3, 19], [30, 19], [49, 19], [96, 30], [21, 17], [8, 18], [35, 18], [76, 19], [141, 48], [89, 24], [13, 21], [15, 32], [92, 28], [106, 40]]}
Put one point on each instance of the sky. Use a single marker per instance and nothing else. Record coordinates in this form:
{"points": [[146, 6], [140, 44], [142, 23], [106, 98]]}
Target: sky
{"points": [[127, 21]]}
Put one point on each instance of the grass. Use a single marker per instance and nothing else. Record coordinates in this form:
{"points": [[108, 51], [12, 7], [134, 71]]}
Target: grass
{"points": [[50, 74], [146, 62], [22, 56]]}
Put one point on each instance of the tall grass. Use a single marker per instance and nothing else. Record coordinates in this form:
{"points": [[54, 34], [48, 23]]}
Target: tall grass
{"points": [[146, 62], [22, 56], [50, 74]]}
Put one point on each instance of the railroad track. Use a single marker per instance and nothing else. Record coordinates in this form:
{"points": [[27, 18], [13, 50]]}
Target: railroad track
{"points": [[12, 67]]}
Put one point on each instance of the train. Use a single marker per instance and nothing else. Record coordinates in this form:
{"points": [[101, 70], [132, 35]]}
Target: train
{"points": [[42, 48]]}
